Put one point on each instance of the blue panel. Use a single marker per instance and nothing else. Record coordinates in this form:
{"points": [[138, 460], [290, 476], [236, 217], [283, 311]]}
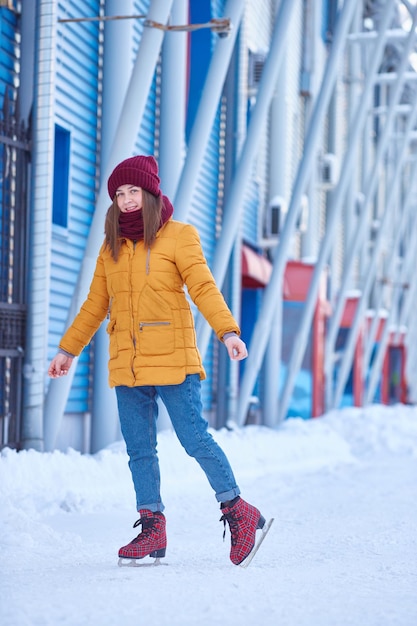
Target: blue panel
{"points": [[251, 301], [200, 55], [61, 176]]}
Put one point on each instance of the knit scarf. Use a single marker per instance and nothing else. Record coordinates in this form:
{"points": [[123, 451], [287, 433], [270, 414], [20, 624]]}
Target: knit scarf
{"points": [[131, 224]]}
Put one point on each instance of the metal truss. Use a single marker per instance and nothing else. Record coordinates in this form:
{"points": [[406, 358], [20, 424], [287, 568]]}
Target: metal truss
{"points": [[349, 173]]}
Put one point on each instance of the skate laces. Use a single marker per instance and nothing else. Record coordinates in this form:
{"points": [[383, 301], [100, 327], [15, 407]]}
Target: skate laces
{"points": [[233, 522], [146, 524]]}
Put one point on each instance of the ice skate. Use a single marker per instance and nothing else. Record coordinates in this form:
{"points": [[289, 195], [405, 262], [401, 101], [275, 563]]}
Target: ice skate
{"points": [[151, 541], [244, 520]]}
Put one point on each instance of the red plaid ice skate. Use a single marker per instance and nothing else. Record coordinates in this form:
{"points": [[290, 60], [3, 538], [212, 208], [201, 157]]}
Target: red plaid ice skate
{"points": [[244, 520], [152, 541]]}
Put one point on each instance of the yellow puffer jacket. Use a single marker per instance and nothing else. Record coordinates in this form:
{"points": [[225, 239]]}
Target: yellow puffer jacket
{"points": [[151, 327]]}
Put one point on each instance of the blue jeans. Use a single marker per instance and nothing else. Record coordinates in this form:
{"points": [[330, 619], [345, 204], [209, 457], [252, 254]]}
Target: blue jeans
{"points": [[138, 412]]}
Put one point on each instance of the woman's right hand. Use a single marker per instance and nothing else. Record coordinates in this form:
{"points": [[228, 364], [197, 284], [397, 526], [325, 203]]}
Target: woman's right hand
{"points": [[60, 365]]}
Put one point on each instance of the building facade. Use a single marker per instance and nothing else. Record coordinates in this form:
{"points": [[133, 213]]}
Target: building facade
{"points": [[285, 132]]}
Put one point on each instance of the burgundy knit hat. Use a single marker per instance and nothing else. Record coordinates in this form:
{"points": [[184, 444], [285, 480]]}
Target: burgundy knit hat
{"points": [[138, 170]]}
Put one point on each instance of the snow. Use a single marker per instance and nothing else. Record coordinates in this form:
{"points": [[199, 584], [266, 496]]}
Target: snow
{"points": [[342, 549]]}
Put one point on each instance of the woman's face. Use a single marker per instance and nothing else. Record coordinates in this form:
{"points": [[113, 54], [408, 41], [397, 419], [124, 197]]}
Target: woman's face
{"points": [[129, 198]]}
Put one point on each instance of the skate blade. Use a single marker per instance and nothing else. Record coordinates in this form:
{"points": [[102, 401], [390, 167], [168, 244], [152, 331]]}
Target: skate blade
{"points": [[126, 562], [258, 544]]}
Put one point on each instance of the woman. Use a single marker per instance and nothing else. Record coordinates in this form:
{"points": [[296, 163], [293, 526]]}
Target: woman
{"points": [[143, 265]]}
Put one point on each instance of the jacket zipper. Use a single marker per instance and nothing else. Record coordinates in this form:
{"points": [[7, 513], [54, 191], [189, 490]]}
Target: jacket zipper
{"points": [[109, 308], [131, 307], [143, 324]]}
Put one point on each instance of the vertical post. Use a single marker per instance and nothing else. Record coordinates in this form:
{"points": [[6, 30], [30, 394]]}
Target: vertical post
{"points": [[173, 101], [117, 69], [277, 187]]}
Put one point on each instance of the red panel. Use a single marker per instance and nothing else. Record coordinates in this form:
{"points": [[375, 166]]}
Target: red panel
{"points": [[319, 325], [385, 379], [256, 269], [297, 280], [358, 372], [349, 311]]}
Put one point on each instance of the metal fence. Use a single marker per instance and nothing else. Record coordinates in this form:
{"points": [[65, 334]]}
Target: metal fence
{"points": [[14, 166]]}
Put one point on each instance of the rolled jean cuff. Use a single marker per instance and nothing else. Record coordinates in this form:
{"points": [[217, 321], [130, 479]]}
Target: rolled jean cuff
{"points": [[225, 496], [155, 508]]}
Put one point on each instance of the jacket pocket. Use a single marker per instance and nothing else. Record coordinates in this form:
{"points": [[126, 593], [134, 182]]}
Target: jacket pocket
{"points": [[156, 338], [156, 333], [111, 330]]}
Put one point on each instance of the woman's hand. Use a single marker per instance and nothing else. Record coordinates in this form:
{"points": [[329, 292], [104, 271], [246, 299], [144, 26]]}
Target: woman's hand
{"points": [[236, 348], [60, 365]]}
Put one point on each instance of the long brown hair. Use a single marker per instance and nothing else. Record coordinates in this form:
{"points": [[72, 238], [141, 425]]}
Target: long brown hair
{"points": [[151, 212]]}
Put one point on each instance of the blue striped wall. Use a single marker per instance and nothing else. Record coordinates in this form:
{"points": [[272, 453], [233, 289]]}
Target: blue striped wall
{"points": [[76, 107]]}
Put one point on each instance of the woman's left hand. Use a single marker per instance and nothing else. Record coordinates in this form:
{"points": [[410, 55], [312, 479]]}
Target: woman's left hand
{"points": [[236, 348]]}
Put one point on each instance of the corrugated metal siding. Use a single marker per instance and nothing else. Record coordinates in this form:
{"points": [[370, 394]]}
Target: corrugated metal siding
{"points": [[258, 22], [9, 48], [146, 143], [77, 90]]}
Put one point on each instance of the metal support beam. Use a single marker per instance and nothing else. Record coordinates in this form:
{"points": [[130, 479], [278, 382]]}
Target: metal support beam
{"points": [[122, 147], [277, 187], [268, 309], [117, 71], [173, 101], [392, 34], [390, 77]]}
